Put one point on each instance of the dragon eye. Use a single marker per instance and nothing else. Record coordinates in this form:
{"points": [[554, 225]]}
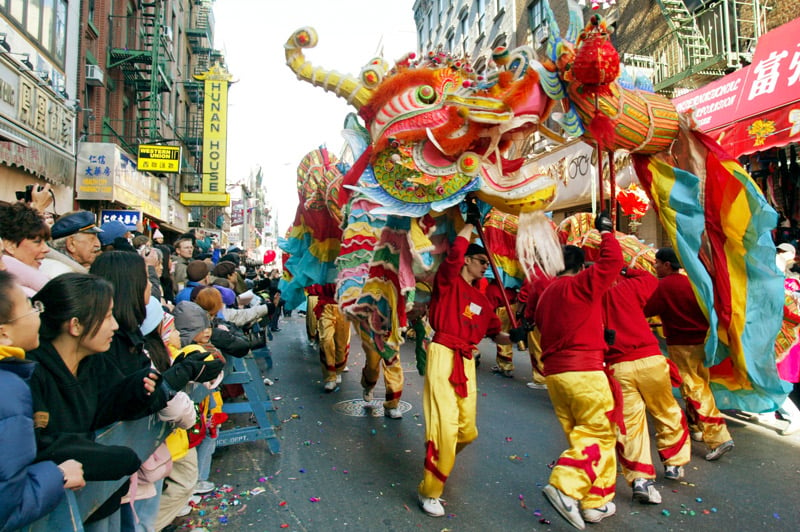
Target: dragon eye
{"points": [[426, 94]]}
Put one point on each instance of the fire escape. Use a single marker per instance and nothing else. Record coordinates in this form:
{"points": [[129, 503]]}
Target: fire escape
{"points": [[141, 50], [706, 39]]}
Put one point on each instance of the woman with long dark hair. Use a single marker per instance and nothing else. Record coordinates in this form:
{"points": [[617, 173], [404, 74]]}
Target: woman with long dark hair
{"points": [[128, 275], [76, 393]]}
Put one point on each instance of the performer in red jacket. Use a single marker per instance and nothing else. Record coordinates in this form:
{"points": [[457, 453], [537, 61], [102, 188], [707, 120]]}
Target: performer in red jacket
{"points": [[569, 314], [685, 329], [634, 359], [461, 316]]}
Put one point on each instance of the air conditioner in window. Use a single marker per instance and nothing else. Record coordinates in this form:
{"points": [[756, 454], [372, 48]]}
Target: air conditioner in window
{"points": [[94, 75], [168, 33]]}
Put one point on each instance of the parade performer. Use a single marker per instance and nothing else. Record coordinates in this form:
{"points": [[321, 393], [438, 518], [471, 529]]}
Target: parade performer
{"points": [[634, 359], [505, 353], [685, 329], [527, 301], [569, 314], [460, 316], [392, 374], [334, 335]]}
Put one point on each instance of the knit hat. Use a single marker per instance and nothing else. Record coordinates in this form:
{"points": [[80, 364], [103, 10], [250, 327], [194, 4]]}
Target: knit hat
{"points": [[157, 234], [190, 319], [153, 317], [197, 270]]}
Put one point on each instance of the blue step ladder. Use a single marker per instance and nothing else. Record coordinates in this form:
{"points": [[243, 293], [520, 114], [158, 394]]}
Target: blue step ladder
{"points": [[245, 371]]}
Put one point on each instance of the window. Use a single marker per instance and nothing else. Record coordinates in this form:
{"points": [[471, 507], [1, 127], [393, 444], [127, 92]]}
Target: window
{"points": [[44, 22], [462, 22], [535, 14], [499, 6], [480, 13]]}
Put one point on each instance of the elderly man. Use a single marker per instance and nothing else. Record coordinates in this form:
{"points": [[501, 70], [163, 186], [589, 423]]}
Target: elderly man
{"points": [[75, 244]]}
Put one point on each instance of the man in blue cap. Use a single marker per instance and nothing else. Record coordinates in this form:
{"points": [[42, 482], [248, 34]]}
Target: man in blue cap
{"points": [[75, 244]]}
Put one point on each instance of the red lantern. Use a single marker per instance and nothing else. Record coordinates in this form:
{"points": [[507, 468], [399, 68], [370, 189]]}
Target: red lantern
{"points": [[633, 201], [596, 60], [269, 256]]}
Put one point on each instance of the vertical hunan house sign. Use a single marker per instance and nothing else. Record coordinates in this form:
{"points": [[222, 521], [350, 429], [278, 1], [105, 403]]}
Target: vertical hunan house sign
{"points": [[215, 137]]}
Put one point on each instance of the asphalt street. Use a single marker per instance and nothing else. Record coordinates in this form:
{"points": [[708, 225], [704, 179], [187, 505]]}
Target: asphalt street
{"points": [[344, 467]]}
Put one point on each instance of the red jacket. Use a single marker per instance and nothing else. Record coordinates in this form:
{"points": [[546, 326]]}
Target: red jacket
{"points": [[569, 314], [623, 312], [683, 321], [458, 308]]}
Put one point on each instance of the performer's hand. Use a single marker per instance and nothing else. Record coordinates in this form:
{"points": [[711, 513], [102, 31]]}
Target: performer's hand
{"points": [[473, 213], [518, 334], [603, 222]]}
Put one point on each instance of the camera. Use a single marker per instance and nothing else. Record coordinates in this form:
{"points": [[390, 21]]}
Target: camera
{"points": [[27, 194]]}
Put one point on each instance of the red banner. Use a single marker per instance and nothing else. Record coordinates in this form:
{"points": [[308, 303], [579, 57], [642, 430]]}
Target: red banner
{"points": [[754, 105]]}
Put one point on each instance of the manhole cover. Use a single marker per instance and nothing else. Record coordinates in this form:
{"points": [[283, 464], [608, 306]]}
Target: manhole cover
{"points": [[361, 408]]}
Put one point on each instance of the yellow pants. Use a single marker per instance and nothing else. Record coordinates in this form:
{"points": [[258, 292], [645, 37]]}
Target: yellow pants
{"points": [[505, 353], [449, 418], [587, 470], [392, 371], [311, 318], [535, 351], [701, 408], [334, 341], [646, 388]]}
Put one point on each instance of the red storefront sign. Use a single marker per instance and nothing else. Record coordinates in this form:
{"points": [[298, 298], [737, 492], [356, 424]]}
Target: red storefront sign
{"points": [[757, 107]]}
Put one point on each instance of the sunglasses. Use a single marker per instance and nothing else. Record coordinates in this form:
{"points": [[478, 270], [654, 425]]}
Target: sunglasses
{"points": [[483, 262]]}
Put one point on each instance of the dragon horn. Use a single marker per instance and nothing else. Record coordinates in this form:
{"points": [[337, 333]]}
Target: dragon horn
{"points": [[347, 87]]}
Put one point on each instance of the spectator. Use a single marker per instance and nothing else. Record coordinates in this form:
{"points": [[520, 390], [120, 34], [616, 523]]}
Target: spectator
{"points": [[29, 490], [75, 244], [165, 278], [158, 237], [184, 249], [75, 393], [127, 274], [111, 232], [196, 275], [25, 235]]}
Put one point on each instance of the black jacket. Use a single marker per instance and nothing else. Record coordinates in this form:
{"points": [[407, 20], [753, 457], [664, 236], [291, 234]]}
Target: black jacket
{"points": [[69, 409], [232, 342]]}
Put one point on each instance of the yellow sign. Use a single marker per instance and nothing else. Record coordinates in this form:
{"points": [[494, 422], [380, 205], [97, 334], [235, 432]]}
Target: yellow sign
{"points": [[201, 199], [155, 158], [215, 128]]}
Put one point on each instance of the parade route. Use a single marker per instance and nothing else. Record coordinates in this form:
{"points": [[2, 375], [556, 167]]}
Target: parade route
{"points": [[343, 467]]}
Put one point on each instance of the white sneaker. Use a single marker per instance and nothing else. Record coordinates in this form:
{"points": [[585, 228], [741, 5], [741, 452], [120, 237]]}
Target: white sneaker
{"points": [[565, 505], [183, 512], [367, 395], [203, 486], [329, 386], [338, 379], [432, 507], [268, 382], [697, 435], [195, 499], [393, 413], [595, 515]]}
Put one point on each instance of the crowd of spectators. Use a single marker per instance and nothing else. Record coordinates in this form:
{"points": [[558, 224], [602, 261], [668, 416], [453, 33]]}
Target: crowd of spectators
{"points": [[105, 323]]}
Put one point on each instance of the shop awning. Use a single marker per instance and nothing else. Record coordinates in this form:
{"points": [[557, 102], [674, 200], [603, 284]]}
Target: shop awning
{"points": [[757, 107]]}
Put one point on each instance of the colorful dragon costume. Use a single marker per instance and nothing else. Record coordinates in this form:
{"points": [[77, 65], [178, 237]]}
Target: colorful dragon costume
{"points": [[435, 131]]}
